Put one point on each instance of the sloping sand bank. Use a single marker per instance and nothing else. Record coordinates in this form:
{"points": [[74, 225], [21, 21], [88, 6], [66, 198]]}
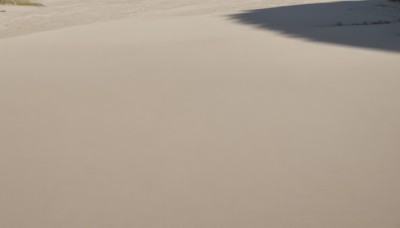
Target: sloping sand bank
{"points": [[58, 14], [196, 121]]}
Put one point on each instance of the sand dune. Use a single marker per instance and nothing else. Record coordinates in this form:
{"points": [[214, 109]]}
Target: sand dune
{"points": [[216, 119], [65, 13]]}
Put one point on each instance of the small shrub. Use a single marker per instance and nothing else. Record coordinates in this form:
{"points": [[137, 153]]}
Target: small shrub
{"points": [[19, 2]]}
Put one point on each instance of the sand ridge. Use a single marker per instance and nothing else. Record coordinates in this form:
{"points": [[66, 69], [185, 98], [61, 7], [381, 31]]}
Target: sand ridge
{"points": [[65, 13]]}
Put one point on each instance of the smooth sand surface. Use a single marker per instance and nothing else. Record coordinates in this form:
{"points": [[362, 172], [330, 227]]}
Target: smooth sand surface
{"points": [[198, 121], [65, 13]]}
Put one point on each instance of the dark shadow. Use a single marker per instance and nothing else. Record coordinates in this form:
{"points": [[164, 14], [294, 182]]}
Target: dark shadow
{"points": [[366, 24]]}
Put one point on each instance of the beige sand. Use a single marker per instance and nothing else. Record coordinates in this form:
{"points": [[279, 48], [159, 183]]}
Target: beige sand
{"points": [[199, 121], [64, 13]]}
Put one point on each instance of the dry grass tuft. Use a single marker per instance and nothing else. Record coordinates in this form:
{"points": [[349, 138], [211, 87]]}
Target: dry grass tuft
{"points": [[19, 2]]}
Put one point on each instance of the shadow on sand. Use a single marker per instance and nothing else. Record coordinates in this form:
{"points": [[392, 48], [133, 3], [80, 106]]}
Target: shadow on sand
{"points": [[365, 24]]}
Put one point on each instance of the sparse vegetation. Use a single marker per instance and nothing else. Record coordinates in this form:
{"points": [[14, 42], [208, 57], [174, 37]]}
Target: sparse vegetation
{"points": [[19, 2], [369, 23]]}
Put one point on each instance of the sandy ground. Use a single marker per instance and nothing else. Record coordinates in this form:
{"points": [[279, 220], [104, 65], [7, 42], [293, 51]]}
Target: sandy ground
{"points": [[217, 119], [64, 13]]}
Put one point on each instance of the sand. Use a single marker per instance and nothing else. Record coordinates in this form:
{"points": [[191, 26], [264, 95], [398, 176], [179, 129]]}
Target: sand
{"points": [[65, 13], [197, 117]]}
